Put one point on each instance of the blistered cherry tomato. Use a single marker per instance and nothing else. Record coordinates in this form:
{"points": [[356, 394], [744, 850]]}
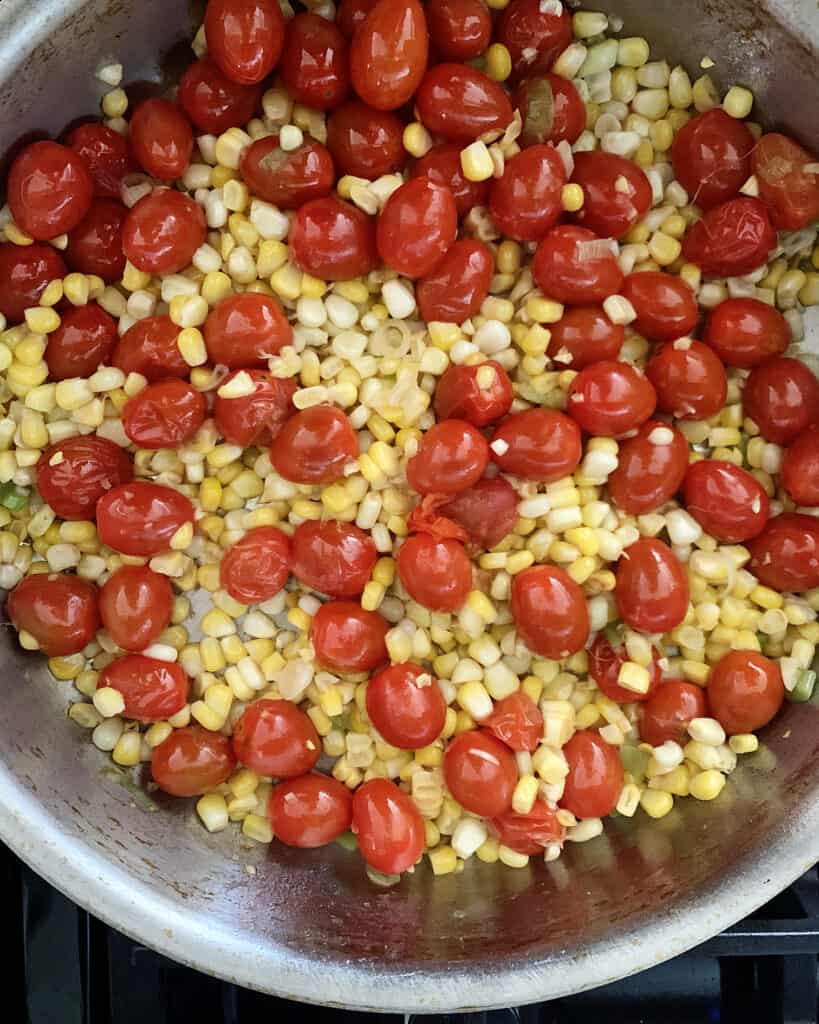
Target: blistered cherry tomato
{"points": [[525, 202], [726, 501], [524, 27], [140, 518], [731, 239], [314, 66], [711, 157], [785, 555], [49, 190], [481, 773], [516, 721], [287, 178], [191, 761], [152, 690], [347, 638], [162, 138], [610, 398], [314, 446], [164, 415], [541, 444], [246, 330], [456, 288], [616, 193], [782, 397], [442, 165], [212, 101], [652, 587], [605, 663], [416, 227], [595, 777], [435, 573], [107, 155], [488, 511], [785, 184], [135, 606], [163, 231], [689, 380], [74, 474], [255, 419], [745, 332], [666, 307], [245, 37], [459, 103], [574, 266], [25, 272], [551, 108], [310, 811], [351, 13], [745, 691], [428, 517], [479, 394], [528, 833], [650, 468], [406, 706], [388, 54], [800, 468], [60, 612], [452, 456], [549, 611], [273, 737], [149, 347], [365, 142], [584, 335], [388, 824], [95, 244], [666, 714], [334, 558], [256, 567], [333, 240], [458, 29], [85, 339]]}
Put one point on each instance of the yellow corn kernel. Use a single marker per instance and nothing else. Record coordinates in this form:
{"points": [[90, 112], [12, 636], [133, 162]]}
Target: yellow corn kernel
{"points": [[299, 618], [373, 595], [42, 320], [525, 794], [330, 702], [544, 311], [443, 860], [663, 248], [656, 803], [707, 785], [213, 659], [115, 103], [127, 749], [384, 571], [738, 102], [498, 62], [572, 198]]}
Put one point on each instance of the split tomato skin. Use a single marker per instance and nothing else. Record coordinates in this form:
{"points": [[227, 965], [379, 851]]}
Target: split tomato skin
{"points": [[711, 157], [732, 239], [149, 347], [605, 663], [258, 417], [488, 511], [257, 566], [667, 712], [790, 191], [524, 26], [164, 415]]}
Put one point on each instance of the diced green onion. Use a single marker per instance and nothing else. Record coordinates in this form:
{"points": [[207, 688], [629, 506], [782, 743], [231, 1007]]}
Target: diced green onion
{"points": [[13, 498], [803, 691]]}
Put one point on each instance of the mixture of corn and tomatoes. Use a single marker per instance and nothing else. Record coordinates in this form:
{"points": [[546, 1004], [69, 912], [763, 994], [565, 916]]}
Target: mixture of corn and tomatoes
{"points": [[406, 439]]}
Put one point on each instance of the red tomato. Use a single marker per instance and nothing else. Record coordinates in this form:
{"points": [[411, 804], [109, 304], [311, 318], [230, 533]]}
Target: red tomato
{"points": [[568, 269], [351, 13], [524, 27], [652, 587], [435, 573], [785, 555], [551, 108], [273, 737], [388, 53], [60, 612], [333, 240], [442, 165], [480, 772], [528, 833], [25, 272], [459, 103], [107, 155], [516, 721], [365, 142], [526, 202], [732, 239], [140, 518], [152, 690], [584, 335], [245, 37], [95, 244], [246, 330], [192, 761], [665, 716], [452, 456], [347, 638], [782, 397], [314, 66], [456, 288], [689, 380], [595, 776], [164, 415], [135, 606], [212, 101], [746, 332], [255, 419], [314, 446], [745, 691], [49, 190], [256, 567], [549, 611], [84, 341], [666, 307], [488, 511], [389, 826], [725, 500], [650, 468], [464, 393], [288, 178], [406, 706], [162, 138], [418, 224], [163, 231], [616, 193], [608, 398], [334, 558], [427, 517], [605, 663], [74, 474], [800, 468], [785, 184], [458, 29], [309, 811], [541, 444], [711, 156], [149, 347]]}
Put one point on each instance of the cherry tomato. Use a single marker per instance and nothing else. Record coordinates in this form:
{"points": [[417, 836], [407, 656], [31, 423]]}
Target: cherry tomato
{"points": [[60, 612], [516, 721], [549, 611], [333, 240], [427, 517], [255, 419], [452, 456], [689, 380], [314, 446], [488, 511], [152, 690], [333, 558], [365, 142], [163, 231], [782, 397], [351, 13], [609, 398], [95, 244], [388, 824], [745, 691], [212, 101], [460, 103], [140, 518], [605, 663], [528, 833], [25, 272], [135, 606], [164, 415], [192, 761], [435, 573], [732, 239], [650, 469], [534, 37], [480, 393], [49, 190], [800, 468], [525, 202], [616, 193], [406, 706], [314, 66], [551, 108], [480, 772], [256, 567], [666, 307], [711, 157], [388, 53], [149, 347], [455, 290], [541, 444], [273, 737], [785, 555], [725, 500], [652, 587], [287, 178], [595, 777], [442, 165], [785, 184], [347, 638], [458, 29], [74, 474], [310, 811], [417, 226], [245, 37], [570, 270], [666, 714], [745, 332], [162, 138], [584, 335], [246, 330], [85, 340], [107, 155]]}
